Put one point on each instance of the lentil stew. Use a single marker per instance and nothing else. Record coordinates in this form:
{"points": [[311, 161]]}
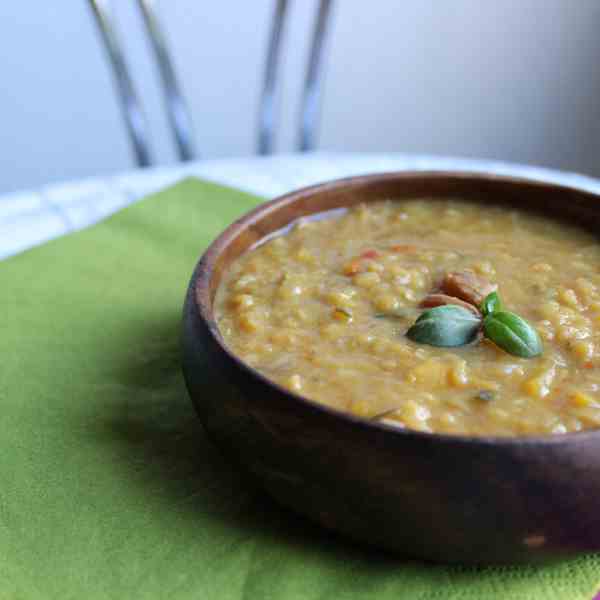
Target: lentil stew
{"points": [[324, 309]]}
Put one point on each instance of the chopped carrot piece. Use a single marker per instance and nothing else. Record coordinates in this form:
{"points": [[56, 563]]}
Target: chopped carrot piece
{"points": [[403, 248], [353, 267], [369, 254], [588, 365]]}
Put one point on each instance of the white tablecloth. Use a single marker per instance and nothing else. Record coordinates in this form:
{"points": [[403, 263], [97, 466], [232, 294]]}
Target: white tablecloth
{"points": [[31, 217]]}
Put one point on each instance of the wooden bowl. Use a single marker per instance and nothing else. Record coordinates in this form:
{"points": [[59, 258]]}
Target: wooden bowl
{"points": [[445, 498]]}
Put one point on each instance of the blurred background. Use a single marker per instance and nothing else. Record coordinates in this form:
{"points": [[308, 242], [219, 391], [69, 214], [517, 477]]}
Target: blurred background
{"points": [[516, 80]]}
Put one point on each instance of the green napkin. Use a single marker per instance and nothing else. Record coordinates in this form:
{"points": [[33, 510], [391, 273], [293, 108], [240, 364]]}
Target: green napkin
{"points": [[108, 487]]}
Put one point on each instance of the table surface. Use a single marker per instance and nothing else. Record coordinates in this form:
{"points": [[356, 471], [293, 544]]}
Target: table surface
{"points": [[31, 217]]}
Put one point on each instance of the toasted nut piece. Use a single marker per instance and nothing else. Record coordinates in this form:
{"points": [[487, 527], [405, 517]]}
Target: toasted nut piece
{"points": [[441, 299], [467, 286]]}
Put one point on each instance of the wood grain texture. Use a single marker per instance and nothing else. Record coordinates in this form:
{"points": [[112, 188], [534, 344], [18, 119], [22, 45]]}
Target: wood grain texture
{"points": [[444, 498]]}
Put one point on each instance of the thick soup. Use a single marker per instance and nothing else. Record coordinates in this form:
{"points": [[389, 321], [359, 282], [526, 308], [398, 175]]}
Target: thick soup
{"points": [[324, 310]]}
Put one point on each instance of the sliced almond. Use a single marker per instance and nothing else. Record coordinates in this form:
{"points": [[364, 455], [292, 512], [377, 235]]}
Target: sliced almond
{"points": [[441, 299], [467, 286]]}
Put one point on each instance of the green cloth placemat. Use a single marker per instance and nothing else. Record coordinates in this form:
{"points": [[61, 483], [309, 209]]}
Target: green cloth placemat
{"points": [[108, 487]]}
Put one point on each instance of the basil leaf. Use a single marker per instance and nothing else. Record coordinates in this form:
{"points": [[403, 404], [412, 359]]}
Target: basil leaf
{"points": [[447, 325], [513, 334], [490, 304]]}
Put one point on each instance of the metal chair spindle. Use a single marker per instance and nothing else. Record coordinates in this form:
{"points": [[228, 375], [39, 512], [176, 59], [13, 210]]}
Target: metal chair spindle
{"points": [[313, 83], [267, 117], [135, 122], [176, 108]]}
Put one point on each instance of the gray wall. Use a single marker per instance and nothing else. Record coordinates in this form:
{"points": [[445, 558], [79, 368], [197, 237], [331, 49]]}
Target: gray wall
{"points": [[516, 80]]}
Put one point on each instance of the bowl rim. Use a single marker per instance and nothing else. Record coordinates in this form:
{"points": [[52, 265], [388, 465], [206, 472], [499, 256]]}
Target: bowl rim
{"points": [[202, 305]]}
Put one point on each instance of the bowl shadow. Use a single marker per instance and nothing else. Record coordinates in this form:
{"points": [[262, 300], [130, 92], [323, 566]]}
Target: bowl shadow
{"points": [[166, 452]]}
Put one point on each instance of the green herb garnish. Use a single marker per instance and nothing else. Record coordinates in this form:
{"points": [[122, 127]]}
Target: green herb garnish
{"points": [[451, 325], [485, 395], [399, 314], [490, 304], [384, 414], [513, 334], [509, 331], [447, 325]]}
